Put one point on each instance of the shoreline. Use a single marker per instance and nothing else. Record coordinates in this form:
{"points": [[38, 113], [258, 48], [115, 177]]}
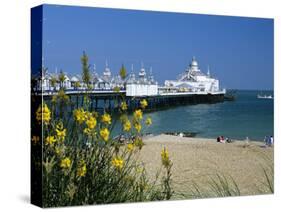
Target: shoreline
{"points": [[176, 138]]}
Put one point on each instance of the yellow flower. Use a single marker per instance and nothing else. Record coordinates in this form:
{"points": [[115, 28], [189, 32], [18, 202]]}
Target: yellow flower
{"points": [[137, 126], [104, 133], [79, 115], [106, 118], [58, 150], [165, 157], [54, 99], [138, 114], [65, 163], [87, 115], [138, 142], [59, 126], [143, 104], [43, 114], [62, 96], [127, 125], [91, 122], [130, 147], [148, 121], [87, 131], [50, 140], [118, 163], [35, 139], [82, 169], [124, 106], [61, 133]]}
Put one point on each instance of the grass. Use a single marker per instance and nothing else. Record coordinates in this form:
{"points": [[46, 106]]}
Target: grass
{"points": [[83, 164], [215, 183], [106, 182], [221, 185]]}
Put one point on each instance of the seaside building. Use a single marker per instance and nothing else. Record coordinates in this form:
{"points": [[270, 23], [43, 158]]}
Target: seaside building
{"points": [[44, 81], [75, 81], [193, 80], [143, 86], [66, 83], [95, 78], [105, 81]]}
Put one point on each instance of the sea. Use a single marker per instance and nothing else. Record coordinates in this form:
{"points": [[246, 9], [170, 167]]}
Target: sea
{"points": [[247, 116]]}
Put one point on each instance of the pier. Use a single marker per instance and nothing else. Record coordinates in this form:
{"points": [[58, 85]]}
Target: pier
{"points": [[109, 99], [106, 92]]}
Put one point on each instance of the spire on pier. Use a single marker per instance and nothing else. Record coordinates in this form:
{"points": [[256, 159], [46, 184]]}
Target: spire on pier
{"points": [[151, 78], [107, 72], [142, 72], [194, 62], [208, 72]]}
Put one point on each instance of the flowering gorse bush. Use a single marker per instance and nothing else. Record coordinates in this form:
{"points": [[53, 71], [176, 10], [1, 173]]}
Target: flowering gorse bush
{"points": [[83, 164]]}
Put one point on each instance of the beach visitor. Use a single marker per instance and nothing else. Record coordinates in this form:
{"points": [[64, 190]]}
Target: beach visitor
{"points": [[247, 141], [221, 139], [271, 141], [218, 139], [266, 140], [228, 140]]}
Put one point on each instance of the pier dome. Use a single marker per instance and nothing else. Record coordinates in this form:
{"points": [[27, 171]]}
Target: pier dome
{"points": [[142, 75], [132, 78], [142, 72], [194, 62], [107, 72]]}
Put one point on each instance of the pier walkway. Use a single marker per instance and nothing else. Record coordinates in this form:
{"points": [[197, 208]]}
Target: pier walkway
{"points": [[109, 99]]}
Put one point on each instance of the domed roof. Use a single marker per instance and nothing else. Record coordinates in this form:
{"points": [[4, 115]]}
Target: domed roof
{"points": [[107, 71], [142, 72], [74, 79], [193, 62], [132, 78]]}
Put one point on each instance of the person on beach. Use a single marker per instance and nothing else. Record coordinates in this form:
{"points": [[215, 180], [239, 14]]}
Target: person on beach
{"points": [[266, 139], [218, 139], [270, 141], [221, 139], [228, 140], [247, 141]]}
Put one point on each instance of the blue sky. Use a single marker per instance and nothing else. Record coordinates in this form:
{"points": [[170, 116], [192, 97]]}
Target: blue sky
{"points": [[239, 51]]}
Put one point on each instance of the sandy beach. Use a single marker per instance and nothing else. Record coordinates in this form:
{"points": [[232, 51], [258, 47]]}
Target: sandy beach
{"points": [[198, 159]]}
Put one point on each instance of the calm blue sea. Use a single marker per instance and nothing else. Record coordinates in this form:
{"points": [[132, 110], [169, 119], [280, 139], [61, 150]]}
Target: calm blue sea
{"points": [[247, 116]]}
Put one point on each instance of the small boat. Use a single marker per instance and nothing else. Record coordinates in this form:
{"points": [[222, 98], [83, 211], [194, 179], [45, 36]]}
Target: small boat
{"points": [[264, 96]]}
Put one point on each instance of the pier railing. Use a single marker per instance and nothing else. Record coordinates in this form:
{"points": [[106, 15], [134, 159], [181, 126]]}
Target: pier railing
{"points": [[123, 91]]}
